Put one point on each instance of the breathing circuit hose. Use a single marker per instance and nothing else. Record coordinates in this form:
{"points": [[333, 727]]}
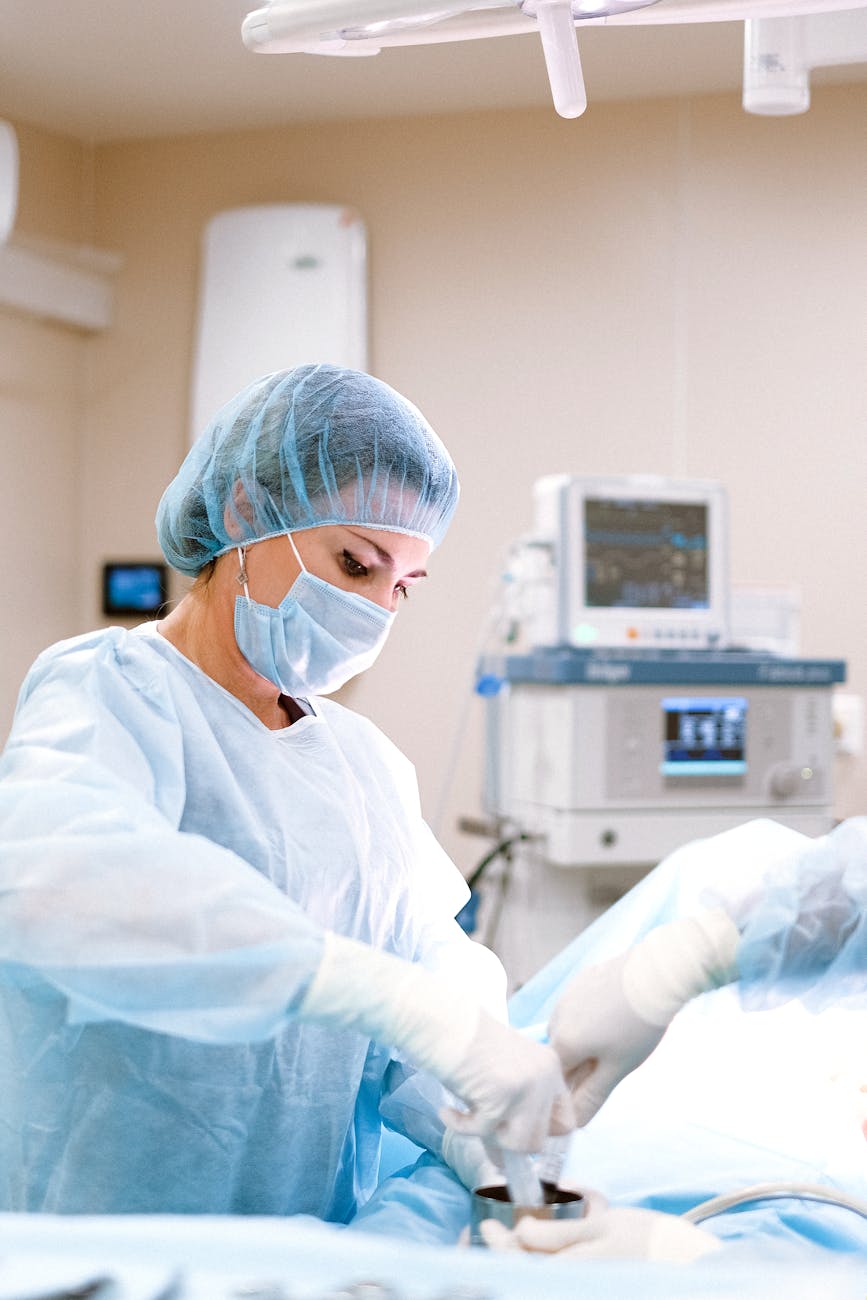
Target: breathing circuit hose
{"points": [[775, 1192]]}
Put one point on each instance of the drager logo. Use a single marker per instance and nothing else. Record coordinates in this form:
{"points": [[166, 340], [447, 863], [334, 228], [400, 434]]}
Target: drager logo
{"points": [[609, 673]]}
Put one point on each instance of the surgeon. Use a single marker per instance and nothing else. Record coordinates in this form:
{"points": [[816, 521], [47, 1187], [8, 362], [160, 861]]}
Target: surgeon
{"points": [[227, 938], [798, 929]]}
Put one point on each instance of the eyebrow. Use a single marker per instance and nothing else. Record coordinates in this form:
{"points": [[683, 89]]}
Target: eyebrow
{"points": [[385, 558]]}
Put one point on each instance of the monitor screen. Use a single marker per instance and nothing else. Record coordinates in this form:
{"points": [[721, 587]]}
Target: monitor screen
{"points": [[134, 588], [704, 735], [646, 554], [633, 560]]}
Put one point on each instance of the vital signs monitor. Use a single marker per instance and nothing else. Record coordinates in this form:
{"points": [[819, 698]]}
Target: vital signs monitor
{"points": [[636, 561]]}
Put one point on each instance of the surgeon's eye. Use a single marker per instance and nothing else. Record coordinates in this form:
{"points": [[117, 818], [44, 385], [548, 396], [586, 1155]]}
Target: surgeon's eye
{"points": [[401, 591], [353, 567]]}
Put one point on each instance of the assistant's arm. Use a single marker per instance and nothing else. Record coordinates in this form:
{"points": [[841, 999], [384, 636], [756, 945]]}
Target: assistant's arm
{"points": [[799, 931]]}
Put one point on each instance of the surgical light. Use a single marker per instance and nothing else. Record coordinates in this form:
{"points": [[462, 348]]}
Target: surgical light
{"points": [[560, 47], [384, 26], [784, 39]]}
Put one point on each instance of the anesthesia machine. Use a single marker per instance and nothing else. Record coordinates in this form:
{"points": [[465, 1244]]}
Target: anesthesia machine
{"points": [[630, 724]]}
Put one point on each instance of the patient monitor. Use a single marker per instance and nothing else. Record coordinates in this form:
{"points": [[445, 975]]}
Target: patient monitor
{"points": [[638, 560]]}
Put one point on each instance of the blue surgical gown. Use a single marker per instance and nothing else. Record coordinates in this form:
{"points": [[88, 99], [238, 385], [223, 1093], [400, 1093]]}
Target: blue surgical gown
{"points": [[167, 867]]}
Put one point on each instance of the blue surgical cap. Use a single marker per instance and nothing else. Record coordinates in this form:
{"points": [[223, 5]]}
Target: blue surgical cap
{"points": [[302, 448]]}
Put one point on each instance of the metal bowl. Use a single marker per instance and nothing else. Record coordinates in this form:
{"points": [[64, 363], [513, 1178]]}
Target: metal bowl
{"points": [[494, 1203]]}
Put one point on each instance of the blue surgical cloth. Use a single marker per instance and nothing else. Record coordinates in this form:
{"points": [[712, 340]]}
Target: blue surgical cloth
{"points": [[167, 867], [302, 448]]}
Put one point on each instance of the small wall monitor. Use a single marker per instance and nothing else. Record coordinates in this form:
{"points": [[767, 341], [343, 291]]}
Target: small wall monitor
{"points": [[134, 588], [639, 560]]}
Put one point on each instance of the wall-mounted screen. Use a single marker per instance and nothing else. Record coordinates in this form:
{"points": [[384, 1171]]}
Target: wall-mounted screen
{"points": [[134, 588]]}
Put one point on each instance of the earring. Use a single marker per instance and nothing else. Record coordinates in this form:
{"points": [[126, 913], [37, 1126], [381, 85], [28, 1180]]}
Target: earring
{"points": [[242, 578]]}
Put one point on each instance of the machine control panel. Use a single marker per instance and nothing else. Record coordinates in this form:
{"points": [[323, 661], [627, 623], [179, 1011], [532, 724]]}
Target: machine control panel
{"points": [[609, 769]]}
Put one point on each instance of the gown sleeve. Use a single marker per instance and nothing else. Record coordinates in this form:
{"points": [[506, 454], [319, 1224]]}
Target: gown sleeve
{"points": [[799, 903], [804, 932], [423, 1203], [102, 897]]}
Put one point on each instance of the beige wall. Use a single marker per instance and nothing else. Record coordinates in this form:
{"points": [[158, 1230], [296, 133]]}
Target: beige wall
{"points": [[669, 286], [42, 384]]}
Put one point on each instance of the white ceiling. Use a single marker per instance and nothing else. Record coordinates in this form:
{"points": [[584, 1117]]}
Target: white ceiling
{"points": [[137, 68]]}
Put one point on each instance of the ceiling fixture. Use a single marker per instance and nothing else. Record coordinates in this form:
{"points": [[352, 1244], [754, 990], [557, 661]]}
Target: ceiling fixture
{"points": [[784, 39]]}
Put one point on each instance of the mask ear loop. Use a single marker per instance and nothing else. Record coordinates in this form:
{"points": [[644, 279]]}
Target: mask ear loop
{"points": [[297, 556], [242, 571]]}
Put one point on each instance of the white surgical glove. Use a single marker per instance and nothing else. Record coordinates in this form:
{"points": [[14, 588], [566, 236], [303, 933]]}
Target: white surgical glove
{"points": [[470, 1159], [611, 1016], [512, 1086], [605, 1233]]}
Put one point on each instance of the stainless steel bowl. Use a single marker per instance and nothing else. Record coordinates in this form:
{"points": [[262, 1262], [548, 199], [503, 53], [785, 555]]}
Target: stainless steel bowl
{"points": [[493, 1203]]}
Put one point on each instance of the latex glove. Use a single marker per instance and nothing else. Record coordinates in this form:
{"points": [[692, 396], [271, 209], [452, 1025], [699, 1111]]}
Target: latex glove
{"points": [[611, 1016], [513, 1087], [605, 1233], [469, 1158]]}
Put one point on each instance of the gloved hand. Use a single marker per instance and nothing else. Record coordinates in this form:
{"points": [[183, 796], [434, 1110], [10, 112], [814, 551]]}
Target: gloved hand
{"points": [[513, 1087], [470, 1159], [605, 1233], [611, 1016]]}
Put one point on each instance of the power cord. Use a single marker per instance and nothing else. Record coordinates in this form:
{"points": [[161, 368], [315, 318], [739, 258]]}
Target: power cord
{"points": [[502, 849]]}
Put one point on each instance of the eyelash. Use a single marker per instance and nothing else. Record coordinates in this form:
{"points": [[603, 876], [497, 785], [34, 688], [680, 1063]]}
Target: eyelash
{"points": [[356, 569], [353, 567]]}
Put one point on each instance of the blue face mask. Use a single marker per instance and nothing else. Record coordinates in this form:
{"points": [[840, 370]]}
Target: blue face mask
{"points": [[317, 638]]}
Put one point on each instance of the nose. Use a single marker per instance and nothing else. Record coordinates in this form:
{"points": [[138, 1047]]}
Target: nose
{"points": [[384, 595]]}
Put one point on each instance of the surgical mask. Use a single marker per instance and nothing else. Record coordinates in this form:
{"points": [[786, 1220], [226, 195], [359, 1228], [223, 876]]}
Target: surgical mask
{"points": [[317, 638]]}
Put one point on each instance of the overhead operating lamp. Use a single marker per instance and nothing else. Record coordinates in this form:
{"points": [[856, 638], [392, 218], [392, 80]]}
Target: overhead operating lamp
{"points": [[784, 38]]}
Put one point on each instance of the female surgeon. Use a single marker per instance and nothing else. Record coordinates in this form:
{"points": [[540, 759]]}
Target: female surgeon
{"points": [[226, 934]]}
